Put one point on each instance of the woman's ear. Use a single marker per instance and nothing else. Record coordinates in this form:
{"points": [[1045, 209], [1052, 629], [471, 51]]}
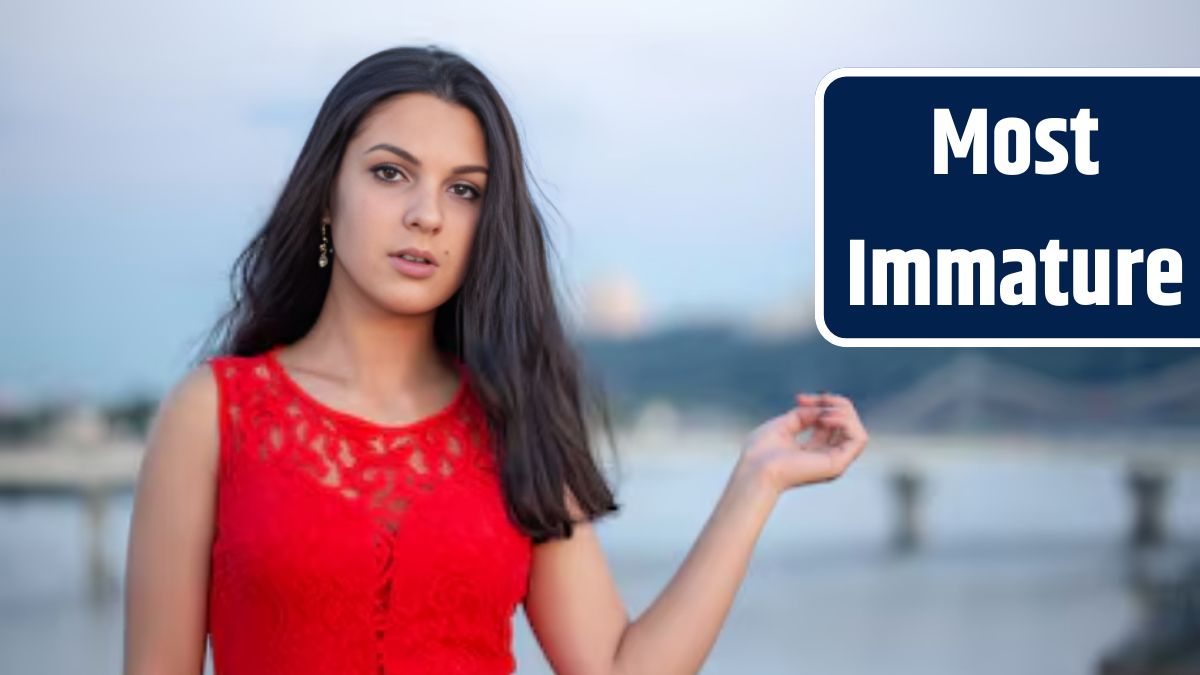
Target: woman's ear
{"points": [[327, 207]]}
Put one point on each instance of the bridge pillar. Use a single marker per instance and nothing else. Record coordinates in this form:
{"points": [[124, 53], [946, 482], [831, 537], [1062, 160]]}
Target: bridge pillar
{"points": [[102, 582], [906, 486], [1148, 488]]}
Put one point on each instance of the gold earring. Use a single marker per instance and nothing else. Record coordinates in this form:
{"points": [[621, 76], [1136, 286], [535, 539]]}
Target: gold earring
{"points": [[325, 247]]}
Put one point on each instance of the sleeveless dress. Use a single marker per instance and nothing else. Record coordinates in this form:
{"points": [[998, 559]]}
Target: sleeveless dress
{"points": [[346, 546]]}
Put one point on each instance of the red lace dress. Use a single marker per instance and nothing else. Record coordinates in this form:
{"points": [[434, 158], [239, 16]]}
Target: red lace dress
{"points": [[345, 546]]}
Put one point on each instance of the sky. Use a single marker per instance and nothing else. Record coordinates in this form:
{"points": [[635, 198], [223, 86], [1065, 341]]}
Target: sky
{"points": [[142, 144]]}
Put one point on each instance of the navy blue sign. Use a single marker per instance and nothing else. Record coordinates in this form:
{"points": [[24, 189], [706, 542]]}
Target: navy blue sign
{"points": [[1029, 207]]}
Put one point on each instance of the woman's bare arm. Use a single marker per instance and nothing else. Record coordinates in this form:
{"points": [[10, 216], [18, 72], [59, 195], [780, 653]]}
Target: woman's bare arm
{"points": [[678, 630], [170, 538], [573, 604], [575, 610]]}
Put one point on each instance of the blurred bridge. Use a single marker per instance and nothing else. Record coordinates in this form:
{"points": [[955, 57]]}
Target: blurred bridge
{"points": [[976, 393], [975, 405]]}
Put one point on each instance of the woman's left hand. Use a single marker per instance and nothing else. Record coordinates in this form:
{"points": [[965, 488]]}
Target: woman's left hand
{"points": [[774, 453]]}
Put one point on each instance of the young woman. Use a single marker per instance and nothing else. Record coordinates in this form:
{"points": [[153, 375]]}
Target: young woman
{"points": [[390, 450]]}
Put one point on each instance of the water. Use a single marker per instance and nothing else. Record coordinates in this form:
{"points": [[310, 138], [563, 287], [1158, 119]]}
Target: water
{"points": [[1023, 572]]}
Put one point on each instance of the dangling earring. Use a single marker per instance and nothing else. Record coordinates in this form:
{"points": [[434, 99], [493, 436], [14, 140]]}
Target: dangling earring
{"points": [[325, 247]]}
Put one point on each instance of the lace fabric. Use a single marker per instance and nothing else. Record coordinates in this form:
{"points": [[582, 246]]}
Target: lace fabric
{"points": [[347, 546]]}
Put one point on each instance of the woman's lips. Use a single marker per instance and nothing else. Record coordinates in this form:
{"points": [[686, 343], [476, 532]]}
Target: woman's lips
{"points": [[416, 270]]}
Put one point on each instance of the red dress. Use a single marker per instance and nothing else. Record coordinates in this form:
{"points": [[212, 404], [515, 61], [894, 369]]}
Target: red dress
{"points": [[345, 546]]}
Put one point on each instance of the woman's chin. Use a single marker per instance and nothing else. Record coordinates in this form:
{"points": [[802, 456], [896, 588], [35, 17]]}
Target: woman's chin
{"points": [[412, 303]]}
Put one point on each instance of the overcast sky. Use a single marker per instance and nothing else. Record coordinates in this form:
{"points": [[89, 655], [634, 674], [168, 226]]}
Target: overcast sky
{"points": [[143, 143]]}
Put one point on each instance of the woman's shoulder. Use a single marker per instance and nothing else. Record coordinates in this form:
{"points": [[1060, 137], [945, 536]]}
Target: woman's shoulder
{"points": [[194, 403], [185, 429], [193, 397]]}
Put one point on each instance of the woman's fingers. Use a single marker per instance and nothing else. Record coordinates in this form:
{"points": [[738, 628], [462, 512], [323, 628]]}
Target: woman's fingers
{"points": [[786, 426], [850, 437], [833, 423], [824, 399], [803, 418], [823, 429], [837, 423], [808, 399], [835, 439]]}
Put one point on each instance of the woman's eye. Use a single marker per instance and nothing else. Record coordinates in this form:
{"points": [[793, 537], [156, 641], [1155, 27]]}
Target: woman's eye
{"points": [[465, 191], [390, 171]]}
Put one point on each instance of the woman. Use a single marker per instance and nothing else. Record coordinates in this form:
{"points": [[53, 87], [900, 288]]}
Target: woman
{"points": [[390, 451]]}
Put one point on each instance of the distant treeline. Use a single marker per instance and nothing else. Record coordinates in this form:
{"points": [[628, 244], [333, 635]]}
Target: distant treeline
{"points": [[133, 415]]}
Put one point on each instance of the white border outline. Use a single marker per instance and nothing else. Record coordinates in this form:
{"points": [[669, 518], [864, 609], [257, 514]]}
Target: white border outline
{"points": [[819, 199]]}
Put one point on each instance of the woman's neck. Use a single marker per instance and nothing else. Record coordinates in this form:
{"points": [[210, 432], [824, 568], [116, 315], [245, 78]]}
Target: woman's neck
{"points": [[380, 354]]}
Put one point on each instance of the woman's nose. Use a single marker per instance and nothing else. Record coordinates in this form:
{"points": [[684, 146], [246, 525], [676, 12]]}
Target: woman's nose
{"points": [[424, 212]]}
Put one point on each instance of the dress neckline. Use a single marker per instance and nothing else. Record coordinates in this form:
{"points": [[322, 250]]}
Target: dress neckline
{"points": [[362, 422]]}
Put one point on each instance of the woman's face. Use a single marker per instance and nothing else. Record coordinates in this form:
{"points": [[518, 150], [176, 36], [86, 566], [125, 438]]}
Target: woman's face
{"points": [[413, 177]]}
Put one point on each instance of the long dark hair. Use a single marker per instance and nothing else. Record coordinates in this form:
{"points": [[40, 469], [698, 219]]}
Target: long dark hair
{"points": [[503, 322]]}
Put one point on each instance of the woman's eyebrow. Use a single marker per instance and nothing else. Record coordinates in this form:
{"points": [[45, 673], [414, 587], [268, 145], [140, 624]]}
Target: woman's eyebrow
{"points": [[406, 155]]}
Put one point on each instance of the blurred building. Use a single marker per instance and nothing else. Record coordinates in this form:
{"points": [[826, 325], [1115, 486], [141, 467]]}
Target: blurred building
{"points": [[613, 307]]}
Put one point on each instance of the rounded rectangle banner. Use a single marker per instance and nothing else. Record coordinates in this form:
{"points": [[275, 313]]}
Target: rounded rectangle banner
{"points": [[1007, 207]]}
